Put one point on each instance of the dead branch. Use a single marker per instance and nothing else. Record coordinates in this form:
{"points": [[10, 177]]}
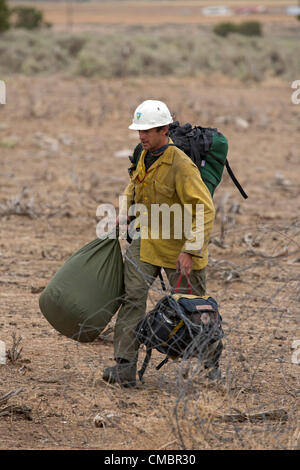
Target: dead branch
{"points": [[270, 415], [224, 270], [251, 250], [17, 409], [4, 399], [18, 205], [226, 216], [14, 353]]}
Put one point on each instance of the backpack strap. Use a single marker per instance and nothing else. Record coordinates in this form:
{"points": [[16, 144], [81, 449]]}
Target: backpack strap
{"points": [[145, 364], [162, 363], [231, 174], [195, 155], [135, 158], [163, 285]]}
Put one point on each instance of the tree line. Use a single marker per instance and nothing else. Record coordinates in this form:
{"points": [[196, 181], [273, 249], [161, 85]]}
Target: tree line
{"points": [[20, 17]]}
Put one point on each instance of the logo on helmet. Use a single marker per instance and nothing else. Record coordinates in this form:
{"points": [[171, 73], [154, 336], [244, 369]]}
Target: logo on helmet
{"points": [[138, 115]]}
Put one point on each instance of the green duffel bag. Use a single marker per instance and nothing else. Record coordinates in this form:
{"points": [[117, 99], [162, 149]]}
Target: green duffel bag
{"points": [[86, 291]]}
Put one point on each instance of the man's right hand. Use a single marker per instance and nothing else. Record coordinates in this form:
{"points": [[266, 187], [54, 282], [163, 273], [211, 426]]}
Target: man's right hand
{"points": [[184, 264]]}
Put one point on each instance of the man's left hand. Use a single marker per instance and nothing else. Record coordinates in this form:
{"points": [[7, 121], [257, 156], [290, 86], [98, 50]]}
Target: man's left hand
{"points": [[184, 264]]}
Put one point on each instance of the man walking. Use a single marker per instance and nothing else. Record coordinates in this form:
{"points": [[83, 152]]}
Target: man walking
{"points": [[164, 176]]}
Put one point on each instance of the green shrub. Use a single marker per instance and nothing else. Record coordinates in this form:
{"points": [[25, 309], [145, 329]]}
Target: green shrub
{"points": [[91, 62], [250, 28], [28, 18], [225, 28], [4, 16], [247, 28], [71, 43]]}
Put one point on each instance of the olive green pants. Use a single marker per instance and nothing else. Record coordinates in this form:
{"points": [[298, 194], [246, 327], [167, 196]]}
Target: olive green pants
{"points": [[138, 278]]}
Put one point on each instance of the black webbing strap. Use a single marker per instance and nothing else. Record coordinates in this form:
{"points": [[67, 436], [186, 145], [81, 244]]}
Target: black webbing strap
{"points": [[162, 363], [145, 364], [163, 285], [195, 155], [207, 141], [231, 174]]}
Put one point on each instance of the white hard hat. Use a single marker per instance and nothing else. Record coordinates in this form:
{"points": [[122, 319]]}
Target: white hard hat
{"points": [[149, 114]]}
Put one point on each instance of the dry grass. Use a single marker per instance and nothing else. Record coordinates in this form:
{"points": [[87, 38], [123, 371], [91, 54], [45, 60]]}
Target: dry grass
{"points": [[132, 52]]}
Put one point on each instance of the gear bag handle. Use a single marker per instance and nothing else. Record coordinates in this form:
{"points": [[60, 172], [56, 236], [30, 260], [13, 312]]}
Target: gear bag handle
{"points": [[179, 282]]}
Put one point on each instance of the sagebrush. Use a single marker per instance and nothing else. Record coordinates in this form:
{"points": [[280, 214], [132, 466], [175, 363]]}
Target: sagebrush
{"points": [[133, 52]]}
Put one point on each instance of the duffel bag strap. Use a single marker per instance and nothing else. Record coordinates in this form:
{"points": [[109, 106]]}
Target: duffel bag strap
{"points": [[179, 282]]}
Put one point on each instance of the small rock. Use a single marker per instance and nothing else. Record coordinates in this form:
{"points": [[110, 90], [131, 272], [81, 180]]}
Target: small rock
{"points": [[242, 123], [37, 290], [279, 337], [241, 358], [280, 180], [105, 420], [125, 153], [47, 143], [66, 139], [223, 119]]}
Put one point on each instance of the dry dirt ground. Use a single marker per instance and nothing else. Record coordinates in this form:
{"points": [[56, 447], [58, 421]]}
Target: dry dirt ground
{"points": [[58, 138]]}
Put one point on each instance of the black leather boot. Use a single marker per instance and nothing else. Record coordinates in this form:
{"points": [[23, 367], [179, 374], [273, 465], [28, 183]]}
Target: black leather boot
{"points": [[123, 373]]}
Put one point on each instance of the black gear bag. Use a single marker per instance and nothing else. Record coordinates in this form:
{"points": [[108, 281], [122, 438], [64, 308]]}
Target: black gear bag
{"points": [[181, 326]]}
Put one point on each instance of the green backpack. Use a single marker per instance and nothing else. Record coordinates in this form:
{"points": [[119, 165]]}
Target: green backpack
{"points": [[206, 147]]}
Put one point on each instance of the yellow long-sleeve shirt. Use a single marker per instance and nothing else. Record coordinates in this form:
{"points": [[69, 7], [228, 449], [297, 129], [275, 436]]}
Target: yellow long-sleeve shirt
{"points": [[172, 179]]}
